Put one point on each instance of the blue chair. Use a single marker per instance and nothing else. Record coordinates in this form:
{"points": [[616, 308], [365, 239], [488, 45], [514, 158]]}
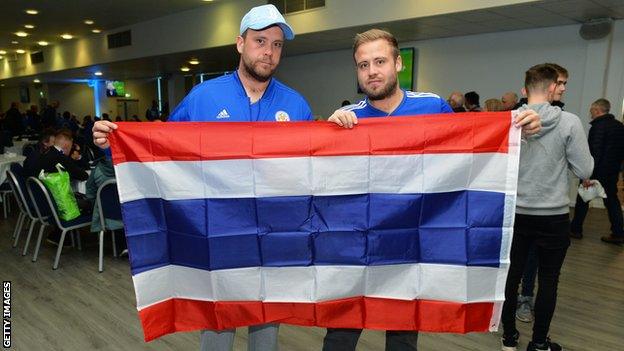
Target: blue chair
{"points": [[46, 205], [27, 211], [107, 200], [5, 192]]}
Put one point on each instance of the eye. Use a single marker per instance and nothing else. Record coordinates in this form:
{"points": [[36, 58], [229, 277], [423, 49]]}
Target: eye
{"points": [[380, 61], [363, 65], [279, 44], [260, 41]]}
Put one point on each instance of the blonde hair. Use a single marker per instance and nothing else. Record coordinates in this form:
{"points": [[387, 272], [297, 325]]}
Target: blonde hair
{"points": [[493, 105], [376, 34]]}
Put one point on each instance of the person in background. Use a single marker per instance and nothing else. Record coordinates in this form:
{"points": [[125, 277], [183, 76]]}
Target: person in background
{"points": [[102, 172], [13, 120], [542, 207], [33, 120], [456, 101], [48, 118], [509, 100], [524, 312], [32, 161], [472, 102], [606, 143], [493, 105], [152, 113], [63, 152]]}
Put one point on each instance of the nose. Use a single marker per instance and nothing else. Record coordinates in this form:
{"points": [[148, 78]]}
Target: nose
{"points": [[372, 71]]}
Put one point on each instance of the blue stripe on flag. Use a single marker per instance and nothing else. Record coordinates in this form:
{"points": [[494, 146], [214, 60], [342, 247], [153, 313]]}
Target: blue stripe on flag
{"points": [[459, 228]]}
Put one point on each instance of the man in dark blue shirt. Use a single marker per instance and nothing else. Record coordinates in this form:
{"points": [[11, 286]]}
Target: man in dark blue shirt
{"points": [[378, 61], [249, 94]]}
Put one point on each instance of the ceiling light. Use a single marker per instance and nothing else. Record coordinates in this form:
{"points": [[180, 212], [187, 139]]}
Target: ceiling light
{"points": [[20, 51], [194, 61], [21, 34], [98, 73], [14, 42], [67, 36], [88, 21], [207, 0], [96, 30], [184, 69], [2, 52], [1, 57], [29, 26], [36, 81], [1, 85], [43, 43], [32, 12]]}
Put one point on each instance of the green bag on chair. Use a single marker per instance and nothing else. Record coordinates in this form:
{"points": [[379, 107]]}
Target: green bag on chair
{"points": [[59, 185]]}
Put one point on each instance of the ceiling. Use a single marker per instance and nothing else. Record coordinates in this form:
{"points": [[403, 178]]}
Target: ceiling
{"points": [[67, 16], [545, 13]]}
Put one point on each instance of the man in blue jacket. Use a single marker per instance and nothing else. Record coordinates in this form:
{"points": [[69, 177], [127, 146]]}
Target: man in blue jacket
{"points": [[250, 94]]}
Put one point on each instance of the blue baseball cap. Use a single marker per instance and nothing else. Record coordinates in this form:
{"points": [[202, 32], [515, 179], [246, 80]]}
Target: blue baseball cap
{"points": [[264, 16]]}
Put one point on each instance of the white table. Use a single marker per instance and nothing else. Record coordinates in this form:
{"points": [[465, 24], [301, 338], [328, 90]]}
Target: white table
{"points": [[80, 186], [5, 163], [18, 145]]}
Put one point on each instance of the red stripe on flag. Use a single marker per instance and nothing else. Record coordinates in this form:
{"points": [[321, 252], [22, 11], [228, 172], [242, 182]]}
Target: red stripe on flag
{"points": [[177, 315], [427, 134]]}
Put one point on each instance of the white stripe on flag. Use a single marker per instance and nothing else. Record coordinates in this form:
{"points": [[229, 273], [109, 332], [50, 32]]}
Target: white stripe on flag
{"points": [[321, 283], [322, 176]]}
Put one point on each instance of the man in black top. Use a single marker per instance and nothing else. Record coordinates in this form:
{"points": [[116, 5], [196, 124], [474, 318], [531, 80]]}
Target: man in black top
{"points": [[606, 144], [48, 117], [60, 153], [13, 120], [33, 159]]}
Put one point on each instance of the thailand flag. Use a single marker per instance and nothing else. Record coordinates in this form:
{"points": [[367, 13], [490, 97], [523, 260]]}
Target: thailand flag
{"points": [[400, 223]]}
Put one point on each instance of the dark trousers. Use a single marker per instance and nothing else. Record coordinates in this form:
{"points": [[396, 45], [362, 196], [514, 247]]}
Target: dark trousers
{"points": [[530, 273], [347, 339], [550, 236], [612, 203]]}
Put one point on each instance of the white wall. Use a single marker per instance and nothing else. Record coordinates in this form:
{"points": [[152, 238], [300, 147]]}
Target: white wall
{"points": [[325, 79], [9, 95], [12, 94], [143, 90], [73, 97], [490, 64], [78, 99]]}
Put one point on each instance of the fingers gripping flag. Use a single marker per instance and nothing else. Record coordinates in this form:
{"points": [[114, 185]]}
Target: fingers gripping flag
{"points": [[400, 223]]}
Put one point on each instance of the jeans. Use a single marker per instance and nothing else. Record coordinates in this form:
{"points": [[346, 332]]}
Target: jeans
{"points": [[347, 339], [261, 338], [612, 203], [550, 235]]}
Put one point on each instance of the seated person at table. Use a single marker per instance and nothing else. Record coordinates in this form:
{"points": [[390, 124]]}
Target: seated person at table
{"points": [[102, 172], [60, 153], [32, 160]]}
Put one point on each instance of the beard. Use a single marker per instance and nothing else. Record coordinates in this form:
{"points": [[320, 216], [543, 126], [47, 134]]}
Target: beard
{"points": [[256, 74], [385, 91]]}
